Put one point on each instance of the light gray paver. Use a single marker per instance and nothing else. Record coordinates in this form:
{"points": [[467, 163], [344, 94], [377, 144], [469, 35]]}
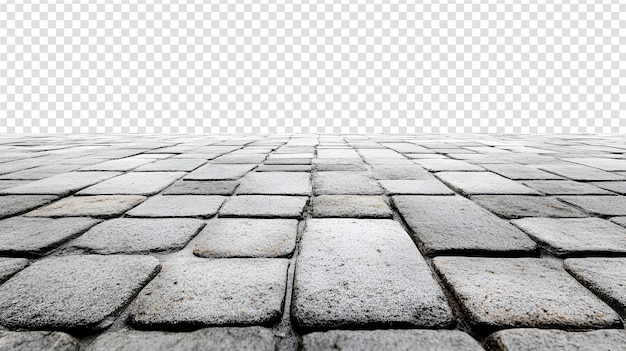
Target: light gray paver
{"points": [[345, 183], [392, 171], [40, 172], [484, 183], [499, 293], [565, 187], [196, 291], [453, 224], [358, 206], [247, 237], [520, 172], [101, 206], [337, 153], [606, 277], [212, 171], [579, 172], [438, 165], [379, 153], [364, 272], [134, 183], [122, 164], [247, 158], [37, 340], [599, 205], [10, 266], [396, 340], [36, 236], [11, 205], [527, 339], [276, 183], [179, 206], [607, 164], [136, 235], [617, 187], [264, 206], [202, 187], [55, 292], [284, 168], [517, 206], [173, 164], [61, 184], [5, 184], [416, 187], [287, 161]]}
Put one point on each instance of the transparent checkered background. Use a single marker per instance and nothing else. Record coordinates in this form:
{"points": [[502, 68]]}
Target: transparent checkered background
{"points": [[328, 66]]}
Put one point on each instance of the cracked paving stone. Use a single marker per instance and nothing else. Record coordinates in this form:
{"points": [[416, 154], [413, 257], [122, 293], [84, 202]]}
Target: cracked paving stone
{"points": [[575, 236], [202, 187], [438, 165], [195, 292], [416, 187], [172, 165], [264, 206], [606, 277], [15, 204], [496, 293], [10, 266], [37, 340], [209, 339], [54, 293], [599, 205], [528, 339], [397, 340], [36, 236], [403, 172], [357, 206], [484, 183], [453, 224], [580, 172], [275, 183], [520, 172], [204, 206], [565, 187], [101, 206], [136, 235], [345, 183], [364, 273], [61, 184], [284, 168], [247, 237], [134, 183], [212, 171], [518, 206]]}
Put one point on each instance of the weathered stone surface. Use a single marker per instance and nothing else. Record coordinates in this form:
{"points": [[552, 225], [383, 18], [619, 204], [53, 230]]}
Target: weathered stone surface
{"points": [[607, 164], [579, 172], [195, 291], [391, 171], [275, 183], [337, 153], [101, 206], [604, 276], [247, 237], [358, 206], [619, 220], [499, 293], [599, 205], [172, 164], [287, 161], [397, 340], [11, 205], [264, 206], [202, 187], [479, 183], [520, 172], [453, 224], [122, 164], [247, 158], [179, 206], [136, 235], [575, 236], [40, 172], [36, 236], [284, 168], [5, 184], [212, 171], [134, 183], [379, 153], [55, 292], [438, 165], [565, 187], [37, 340], [351, 165], [616, 187], [416, 187], [61, 184], [345, 183], [364, 273], [209, 339], [10, 266], [408, 148], [518, 206], [527, 339]]}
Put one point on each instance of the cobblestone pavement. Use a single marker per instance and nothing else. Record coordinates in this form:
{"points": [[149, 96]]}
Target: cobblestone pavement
{"points": [[312, 242]]}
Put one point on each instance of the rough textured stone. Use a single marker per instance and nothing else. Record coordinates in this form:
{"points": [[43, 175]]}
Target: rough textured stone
{"points": [[453, 224], [379, 153], [287, 161], [284, 168], [616, 187], [275, 183], [135, 183], [403, 172], [416, 187], [337, 153], [479, 183], [606, 277], [579, 172], [136, 235], [173, 164], [202, 187], [209, 339], [40, 172], [344, 183], [518, 206], [73, 292], [122, 164], [350, 166], [240, 158], [527, 339], [364, 273], [36, 236], [37, 340], [5, 184], [195, 291], [11, 205], [264, 206], [599, 205], [101, 206], [565, 187], [520, 172], [607, 164], [213, 171], [10, 266], [575, 236], [619, 220], [499, 293], [61, 184], [438, 165], [179, 206], [358, 206], [247, 237]]}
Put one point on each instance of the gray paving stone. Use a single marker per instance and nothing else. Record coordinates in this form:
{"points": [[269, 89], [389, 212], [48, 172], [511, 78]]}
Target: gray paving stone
{"points": [[134, 183], [212, 171], [619, 220], [209, 339], [240, 158], [438, 165], [36, 236], [247, 237], [364, 273], [337, 153], [607, 164], [358, 206], [10, 266], [100, 206], [5, 184], [497, 293], [379, 153], [453, 224], [580, 172], [342, 183], [179, 206], [565, 187], [40, 172], [527, 339], [173, 164], [484, 183], [283, 168], [604, 276], [518, 206], [54, 293], [416, 187], [136, 235], [275, 183], [264, 206], [396, 340], [122, 164], [11, 205], [403, 172], [37, 340], [235, 292], [408, 148], [575, 236], [599, 205], [616, 187], [287, 161], [351, 165], [202, 187], [61, 184], [520, 172]]}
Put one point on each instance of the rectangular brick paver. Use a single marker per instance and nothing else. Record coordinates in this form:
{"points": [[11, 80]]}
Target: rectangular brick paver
{"points": [[61, 184], [483, 183], [134, 183]]}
